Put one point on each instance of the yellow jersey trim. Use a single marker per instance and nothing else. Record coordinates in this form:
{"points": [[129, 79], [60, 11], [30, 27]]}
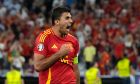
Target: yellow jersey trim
{"points": [[49, 77], [44, 35]]}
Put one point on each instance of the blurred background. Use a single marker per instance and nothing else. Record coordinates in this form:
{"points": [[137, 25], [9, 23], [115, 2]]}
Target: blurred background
{"points": [[110, 27]]}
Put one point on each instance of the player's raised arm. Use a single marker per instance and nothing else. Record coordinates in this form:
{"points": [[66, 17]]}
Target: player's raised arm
{"points": [[42, 63]]}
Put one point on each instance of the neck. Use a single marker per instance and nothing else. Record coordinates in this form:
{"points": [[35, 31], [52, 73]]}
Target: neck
{"points": [[57, 32]]}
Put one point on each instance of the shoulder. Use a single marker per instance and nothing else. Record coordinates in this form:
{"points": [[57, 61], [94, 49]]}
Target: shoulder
{"points": [[74, 40], [71, 37], [43, 35], [8, 73]]}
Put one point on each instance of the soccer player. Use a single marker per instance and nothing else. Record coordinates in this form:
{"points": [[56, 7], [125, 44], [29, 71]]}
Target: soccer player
{"points": [[55, 52]]}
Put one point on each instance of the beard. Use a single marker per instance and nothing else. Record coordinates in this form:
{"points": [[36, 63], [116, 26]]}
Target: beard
{"points": [[64, 30]]}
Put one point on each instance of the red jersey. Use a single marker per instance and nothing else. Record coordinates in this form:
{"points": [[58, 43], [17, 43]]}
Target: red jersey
{"points": [[47, 43]]}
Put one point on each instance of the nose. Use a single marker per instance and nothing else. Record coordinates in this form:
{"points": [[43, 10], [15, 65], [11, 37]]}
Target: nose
{"points": [[71, 21]]}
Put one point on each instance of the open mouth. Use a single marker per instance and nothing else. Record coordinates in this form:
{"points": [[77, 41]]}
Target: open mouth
{"points": [[69, 26]]}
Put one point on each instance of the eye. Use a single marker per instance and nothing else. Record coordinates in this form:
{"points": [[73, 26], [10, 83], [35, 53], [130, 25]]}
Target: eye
{"points": [[68, 17]]}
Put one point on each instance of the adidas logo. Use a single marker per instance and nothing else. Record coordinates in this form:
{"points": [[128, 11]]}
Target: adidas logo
{"points": [[54, 46]]}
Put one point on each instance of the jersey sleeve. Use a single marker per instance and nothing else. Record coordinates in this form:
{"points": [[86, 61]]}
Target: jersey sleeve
{"points": [[40, 45]]}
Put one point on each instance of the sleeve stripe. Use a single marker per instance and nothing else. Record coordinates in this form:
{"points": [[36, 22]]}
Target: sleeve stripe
{"points": [[44, 35]]}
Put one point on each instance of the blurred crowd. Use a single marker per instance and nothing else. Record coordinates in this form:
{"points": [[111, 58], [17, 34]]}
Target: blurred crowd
{"points": [[110, 27]]}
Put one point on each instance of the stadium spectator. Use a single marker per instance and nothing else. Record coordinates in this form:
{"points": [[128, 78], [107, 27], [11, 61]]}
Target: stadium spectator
{"points": [[89, 53]]}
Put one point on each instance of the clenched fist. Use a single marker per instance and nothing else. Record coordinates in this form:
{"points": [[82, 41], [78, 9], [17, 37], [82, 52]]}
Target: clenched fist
{"points": [[65, 49]]}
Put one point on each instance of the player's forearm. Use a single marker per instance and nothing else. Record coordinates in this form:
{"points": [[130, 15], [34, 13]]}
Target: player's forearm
{"points": [[77, 73], [45, 63]]}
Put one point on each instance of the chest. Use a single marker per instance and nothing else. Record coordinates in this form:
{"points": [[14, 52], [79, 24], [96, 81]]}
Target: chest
{"points": [[55, 45]]}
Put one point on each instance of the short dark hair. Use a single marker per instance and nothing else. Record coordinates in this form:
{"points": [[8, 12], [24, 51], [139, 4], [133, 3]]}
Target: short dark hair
{"points": [[57, 12]]}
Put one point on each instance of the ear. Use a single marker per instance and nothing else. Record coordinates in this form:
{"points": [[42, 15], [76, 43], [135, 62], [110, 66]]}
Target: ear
{"points": [[56, 22]]}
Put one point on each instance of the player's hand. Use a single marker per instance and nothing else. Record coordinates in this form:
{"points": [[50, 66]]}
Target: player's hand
{"points": [[65, 49]]}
